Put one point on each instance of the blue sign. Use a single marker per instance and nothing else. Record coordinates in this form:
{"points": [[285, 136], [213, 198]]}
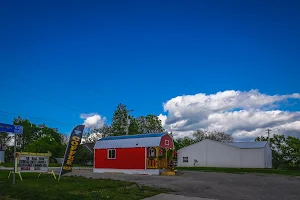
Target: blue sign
{"points": [[11, 128]]}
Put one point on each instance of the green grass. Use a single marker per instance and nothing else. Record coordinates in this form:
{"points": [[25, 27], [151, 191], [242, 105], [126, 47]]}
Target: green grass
{"points": [[10, 164], [50, 165], [54, 165], [73, 188], [242, 170], [7, 164]]}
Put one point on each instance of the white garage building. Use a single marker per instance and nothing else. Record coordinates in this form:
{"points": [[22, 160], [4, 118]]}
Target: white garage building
{"points": [[209, 153]]}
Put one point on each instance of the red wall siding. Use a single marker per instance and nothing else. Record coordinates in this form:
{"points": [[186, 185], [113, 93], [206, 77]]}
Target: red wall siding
{"points": [[162, 142], [127, 158]]}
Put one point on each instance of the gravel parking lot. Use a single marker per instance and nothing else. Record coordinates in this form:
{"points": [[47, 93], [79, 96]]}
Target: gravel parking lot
{"points": [[223, 186]]}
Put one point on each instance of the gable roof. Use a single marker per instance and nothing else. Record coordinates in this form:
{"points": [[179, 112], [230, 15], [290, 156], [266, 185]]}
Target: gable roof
{"points": [[89, 146], [130, 141], [248, 145], [239, 145], [145, 135]]}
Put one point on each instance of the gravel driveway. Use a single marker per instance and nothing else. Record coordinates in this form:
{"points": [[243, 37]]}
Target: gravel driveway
{"points": [[223, 186]]}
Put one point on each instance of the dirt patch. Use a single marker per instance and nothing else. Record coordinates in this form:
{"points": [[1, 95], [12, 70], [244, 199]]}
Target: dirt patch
{"points": [[223, 186]]}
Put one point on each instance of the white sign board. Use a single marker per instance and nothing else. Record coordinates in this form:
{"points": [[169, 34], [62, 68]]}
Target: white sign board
{"points": [[33, 163]]}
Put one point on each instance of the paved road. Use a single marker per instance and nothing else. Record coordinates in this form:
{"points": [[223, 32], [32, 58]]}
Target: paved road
{"points": [[223, 186], [174, 197]]}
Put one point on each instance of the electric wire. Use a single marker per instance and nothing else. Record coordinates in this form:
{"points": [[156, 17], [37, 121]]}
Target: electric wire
{"points": [[38, 118]]}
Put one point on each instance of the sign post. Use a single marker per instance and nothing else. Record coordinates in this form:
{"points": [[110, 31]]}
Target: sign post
{"points": [[16, 129]]}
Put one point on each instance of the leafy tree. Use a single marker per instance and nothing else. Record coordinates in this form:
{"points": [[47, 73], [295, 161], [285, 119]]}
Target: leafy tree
{"points": [[149, 124], [105, 130], [133, 127], [87, 135], [43, 130], [293, 144], [45, 144], [33, 132], [30, 132], [199, 135], [64, 139], [285, 151], [119, 120], [94, 134], [9, 154], [261, 138], [5, 139], [183, 142]]}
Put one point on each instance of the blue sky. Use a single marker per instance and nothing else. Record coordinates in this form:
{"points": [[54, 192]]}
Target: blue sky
{"points": [[92, 56]]}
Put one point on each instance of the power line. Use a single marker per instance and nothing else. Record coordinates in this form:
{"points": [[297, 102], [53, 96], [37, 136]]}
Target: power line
{"points": [[43, 99], [38, 118]]}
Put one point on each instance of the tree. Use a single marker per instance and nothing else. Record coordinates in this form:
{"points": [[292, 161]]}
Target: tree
{"points": [[133, 126], [285, 151], [5, 139], [64, 139], [183, 142], [97, 133], [150, 124], [43, 130], [45, 144], [119, 120], [29, 132], [9, 154], [199, 135]]}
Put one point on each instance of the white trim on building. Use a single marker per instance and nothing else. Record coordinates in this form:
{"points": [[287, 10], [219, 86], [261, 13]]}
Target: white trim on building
{"points": [[127, 171]]}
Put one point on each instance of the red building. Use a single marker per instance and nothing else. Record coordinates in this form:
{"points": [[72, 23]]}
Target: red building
{"points": [[134, 154]]}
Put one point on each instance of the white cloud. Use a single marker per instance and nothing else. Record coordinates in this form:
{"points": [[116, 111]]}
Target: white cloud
{"points": [[242, 114], [163, 119], [93, 120]]}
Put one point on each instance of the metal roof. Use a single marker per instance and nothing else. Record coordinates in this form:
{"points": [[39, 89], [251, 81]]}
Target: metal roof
{"points": [[130, 141], [89, 146], [145, 135], [247, 145]]}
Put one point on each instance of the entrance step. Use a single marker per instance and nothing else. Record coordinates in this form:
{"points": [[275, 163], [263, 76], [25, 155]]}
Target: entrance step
{"points": [[167, 173]]}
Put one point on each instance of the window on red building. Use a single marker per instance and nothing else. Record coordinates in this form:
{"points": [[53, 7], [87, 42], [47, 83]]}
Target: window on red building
{"points": [[111, 154], [167, 142]]}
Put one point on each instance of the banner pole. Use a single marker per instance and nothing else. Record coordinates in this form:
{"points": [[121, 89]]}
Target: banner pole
{"points": [[14, 175], [70, 153], [62, 164]]}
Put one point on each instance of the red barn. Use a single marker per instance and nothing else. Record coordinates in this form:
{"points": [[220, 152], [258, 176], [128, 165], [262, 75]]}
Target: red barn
{"points": [[134, 154]]}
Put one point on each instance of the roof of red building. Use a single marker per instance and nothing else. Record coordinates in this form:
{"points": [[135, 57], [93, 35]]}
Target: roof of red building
{"points": [[130, 141]]}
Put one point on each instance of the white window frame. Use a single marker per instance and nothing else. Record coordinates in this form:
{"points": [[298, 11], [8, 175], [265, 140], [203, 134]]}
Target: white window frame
{"points": [[108, 150], [184, 160], [152, 153], [167, 142]]}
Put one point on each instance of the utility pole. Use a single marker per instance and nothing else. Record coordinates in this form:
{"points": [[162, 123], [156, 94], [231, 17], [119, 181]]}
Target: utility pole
{"points": [[15, 163], [269, 130], [127, 121]]}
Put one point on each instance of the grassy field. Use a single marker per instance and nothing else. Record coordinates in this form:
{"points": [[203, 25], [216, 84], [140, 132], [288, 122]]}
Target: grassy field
{"points": [[74, 165], [46, 187], [7, 164], [242, 170], [10, 164]]}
